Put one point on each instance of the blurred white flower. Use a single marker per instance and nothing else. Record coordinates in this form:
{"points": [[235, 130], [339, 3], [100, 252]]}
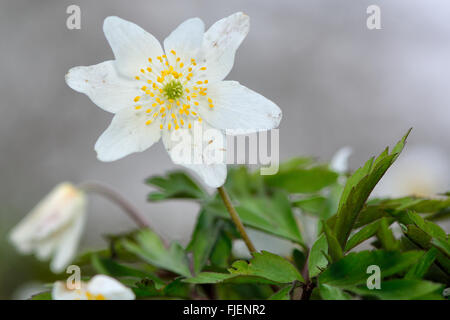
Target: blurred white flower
{"points": [[154, 93], [339, 161], [100, 287], [54, 227], [419, 171]]}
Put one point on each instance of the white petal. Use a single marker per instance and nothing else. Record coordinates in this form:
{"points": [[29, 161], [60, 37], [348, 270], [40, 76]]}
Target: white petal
{"points": [[68, 244], [238, 108], [186, 40], [61, 292], [51, 214], [201, 149], [103, 85], [109, 288], [221, 42], [339, 161], [132, 45], [126, 134]]}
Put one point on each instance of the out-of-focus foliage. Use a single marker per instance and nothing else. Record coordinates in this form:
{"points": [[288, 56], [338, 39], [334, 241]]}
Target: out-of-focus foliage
{"points": [[399, 236]]}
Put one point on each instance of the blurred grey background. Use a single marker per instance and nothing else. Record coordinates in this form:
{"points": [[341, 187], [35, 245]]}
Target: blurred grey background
{"points": [[338, 84]]}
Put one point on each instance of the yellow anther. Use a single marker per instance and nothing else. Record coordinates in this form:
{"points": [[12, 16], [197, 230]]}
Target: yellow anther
{"points": [[206, 81], [150, 60], [209, 100], [211, 105], [189, 98], [138, 107], [203, 68], [178, 59], [142, 70], [190, 69], [177, 127], [161, 126], [137, 78], [187, 90], [162, 109], [173, 116], [171, 101], [164, 56], [149, 81], [173, 52], [154, 104], [182, 122], [149, 69], [148, 110], [196, 103], [144, 88], [181, 64], [199, 82], [199, 119], [148, 122], [136, 99], [189, 125], [178, 102], [169, 126]]}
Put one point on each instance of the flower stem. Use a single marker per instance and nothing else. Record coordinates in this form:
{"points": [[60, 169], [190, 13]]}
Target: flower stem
{"points": [[235, 218], [114, 196]]}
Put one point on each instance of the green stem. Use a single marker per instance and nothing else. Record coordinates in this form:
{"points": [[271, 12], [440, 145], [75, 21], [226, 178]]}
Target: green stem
{"points": [[235, 218], [114, 196]]}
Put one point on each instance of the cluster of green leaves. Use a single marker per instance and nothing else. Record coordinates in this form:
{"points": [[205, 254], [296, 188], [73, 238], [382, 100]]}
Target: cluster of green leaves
{"points": [[414, 264]]}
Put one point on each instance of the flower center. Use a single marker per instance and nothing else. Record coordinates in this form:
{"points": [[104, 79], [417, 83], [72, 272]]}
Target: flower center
{"points": [[172, 92]]}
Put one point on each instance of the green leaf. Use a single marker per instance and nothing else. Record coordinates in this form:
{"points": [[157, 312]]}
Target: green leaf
{"points": [[334, 249], [282, 294], [328, 292], [400, 289], [114, 269], [222, 251], [385, 236], [148, 289], [358, 188], [302, 180], [315, 205], [352, 269], [216, 278], [273, 215], [47, 295], [442, 244], [362, 235], [203, 239], [419, 269], [149, 247], [175, 185], [317, 262], [267, 265]]}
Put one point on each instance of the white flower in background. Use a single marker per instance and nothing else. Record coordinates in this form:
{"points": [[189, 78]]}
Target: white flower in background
{"points": [[100, 287], [54, 227], [339, 161], [419, 171], [153, 93]]}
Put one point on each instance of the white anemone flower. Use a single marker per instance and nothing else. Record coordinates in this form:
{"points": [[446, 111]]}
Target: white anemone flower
{"points": [[54, 227], [154, 92], [422, 171], [100, 287]]}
